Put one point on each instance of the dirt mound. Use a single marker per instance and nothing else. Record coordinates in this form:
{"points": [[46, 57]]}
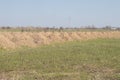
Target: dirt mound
{"points": [[32, 39]]}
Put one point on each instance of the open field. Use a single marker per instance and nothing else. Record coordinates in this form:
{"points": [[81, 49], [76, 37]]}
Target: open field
{"points": [[97, 59], [13, 40]]}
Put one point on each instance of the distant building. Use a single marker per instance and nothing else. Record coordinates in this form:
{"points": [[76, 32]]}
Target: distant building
{"points": [[113, 28]]}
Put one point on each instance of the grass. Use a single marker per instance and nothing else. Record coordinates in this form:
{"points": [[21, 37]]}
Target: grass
{"points": [[77, 60]]}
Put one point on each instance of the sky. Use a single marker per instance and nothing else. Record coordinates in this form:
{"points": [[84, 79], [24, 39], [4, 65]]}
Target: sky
{"points": [[65, 13]]}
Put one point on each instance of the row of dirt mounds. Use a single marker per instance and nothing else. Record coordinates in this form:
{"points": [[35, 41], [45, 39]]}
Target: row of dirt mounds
{"points": [[33, 39]]}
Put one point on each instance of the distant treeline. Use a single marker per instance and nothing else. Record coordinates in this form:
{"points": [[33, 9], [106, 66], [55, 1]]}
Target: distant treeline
{"points": [[46, 29]]}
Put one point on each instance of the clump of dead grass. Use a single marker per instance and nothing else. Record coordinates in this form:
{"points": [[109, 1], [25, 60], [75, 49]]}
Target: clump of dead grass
{"points": [[33, 39]]}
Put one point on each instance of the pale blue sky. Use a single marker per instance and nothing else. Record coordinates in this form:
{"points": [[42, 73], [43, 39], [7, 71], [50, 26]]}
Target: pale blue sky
{"points": [[59, 13]]}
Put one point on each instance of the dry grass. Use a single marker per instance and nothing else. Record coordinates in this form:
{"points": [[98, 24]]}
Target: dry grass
{"points": [[32, 39]]}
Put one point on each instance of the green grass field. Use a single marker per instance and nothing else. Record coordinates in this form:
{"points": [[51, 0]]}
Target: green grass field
{"points": [[77, 60]]}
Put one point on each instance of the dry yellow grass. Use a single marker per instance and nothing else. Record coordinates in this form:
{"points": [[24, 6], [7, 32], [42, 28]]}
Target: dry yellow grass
{"points": [[32, 39]]}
